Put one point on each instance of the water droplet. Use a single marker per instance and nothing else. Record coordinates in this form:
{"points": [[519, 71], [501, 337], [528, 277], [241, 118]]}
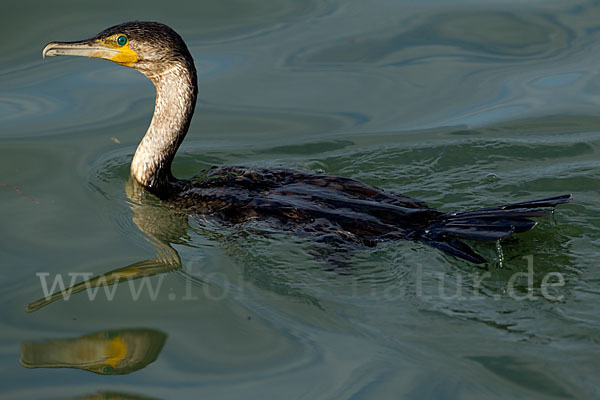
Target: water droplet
{"points": [[491, 178], [500, 254]]}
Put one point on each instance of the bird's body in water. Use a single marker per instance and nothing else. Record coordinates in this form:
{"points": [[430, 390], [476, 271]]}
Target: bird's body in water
{"points": [[335, 208]]}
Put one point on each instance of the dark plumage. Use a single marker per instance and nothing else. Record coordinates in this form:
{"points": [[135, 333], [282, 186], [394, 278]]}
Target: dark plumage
{"points": [[335, 209]]}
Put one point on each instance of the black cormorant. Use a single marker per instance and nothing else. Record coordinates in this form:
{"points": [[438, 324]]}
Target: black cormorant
{"points": [[335, 208]]}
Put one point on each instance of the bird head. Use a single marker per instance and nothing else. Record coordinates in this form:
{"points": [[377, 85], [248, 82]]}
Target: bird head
{"points": [[149, 47]]}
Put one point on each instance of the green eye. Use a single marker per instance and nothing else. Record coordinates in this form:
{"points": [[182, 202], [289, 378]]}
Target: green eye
{"points": [[121, 40], [108, 369]]}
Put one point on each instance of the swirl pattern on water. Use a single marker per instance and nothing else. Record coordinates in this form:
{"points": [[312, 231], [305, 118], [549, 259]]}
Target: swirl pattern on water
{"points": [[463, 104]]}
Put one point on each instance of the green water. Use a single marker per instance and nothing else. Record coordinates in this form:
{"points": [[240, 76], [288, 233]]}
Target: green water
{"points": [[460, 103]]}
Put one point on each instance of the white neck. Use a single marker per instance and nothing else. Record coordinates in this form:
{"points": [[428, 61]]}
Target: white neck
{"points": [[176, 91]]}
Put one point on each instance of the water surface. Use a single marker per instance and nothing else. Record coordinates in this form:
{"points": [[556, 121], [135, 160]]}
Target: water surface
{"points": [[461, 103]]}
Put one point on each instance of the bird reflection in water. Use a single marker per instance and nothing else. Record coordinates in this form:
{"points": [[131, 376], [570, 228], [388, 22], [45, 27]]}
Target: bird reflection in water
{"points": [[111, 352], [109, 395], [161, 227]]}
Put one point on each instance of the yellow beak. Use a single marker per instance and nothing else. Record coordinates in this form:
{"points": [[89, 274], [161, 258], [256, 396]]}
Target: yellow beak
{"points": [[96, 48], [86, 48]]}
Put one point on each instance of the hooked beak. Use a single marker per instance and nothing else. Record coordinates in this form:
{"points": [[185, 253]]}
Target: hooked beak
{"points": [[85, 48], [97, 48]]}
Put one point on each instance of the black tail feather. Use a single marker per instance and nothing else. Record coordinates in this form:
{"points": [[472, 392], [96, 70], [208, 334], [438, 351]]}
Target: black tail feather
{"points": [[484, 229], [456, 248], [499, 213], [549, 202], [486, 224]]}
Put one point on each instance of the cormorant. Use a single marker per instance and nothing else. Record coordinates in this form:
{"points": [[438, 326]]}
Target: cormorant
{"points": [[337, 209]]}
